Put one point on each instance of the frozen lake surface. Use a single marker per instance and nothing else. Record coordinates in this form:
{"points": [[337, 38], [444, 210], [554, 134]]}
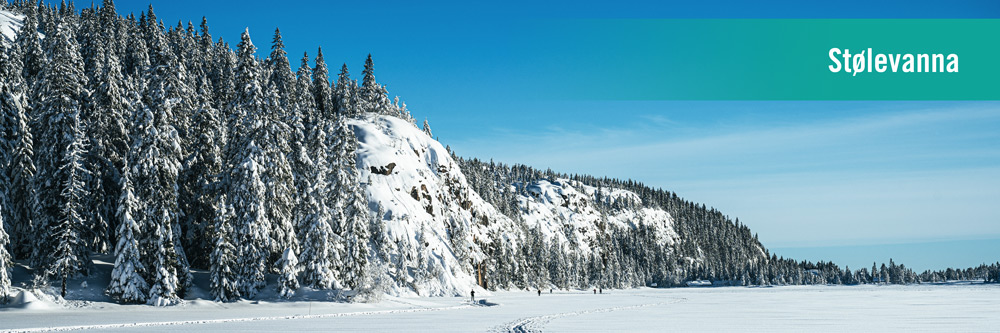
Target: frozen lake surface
{"points": [[964, 307]]}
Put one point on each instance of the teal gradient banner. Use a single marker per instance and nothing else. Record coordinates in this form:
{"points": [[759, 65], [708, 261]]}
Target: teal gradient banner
{"points": [[764, 59]]}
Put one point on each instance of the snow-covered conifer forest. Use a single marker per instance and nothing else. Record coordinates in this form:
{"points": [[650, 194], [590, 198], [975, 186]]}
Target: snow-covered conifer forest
{"points": [[173, 157]]}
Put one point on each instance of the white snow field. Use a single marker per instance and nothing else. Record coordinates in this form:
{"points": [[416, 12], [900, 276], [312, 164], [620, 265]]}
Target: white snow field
{"points": [[957, 307], [10, 23]]}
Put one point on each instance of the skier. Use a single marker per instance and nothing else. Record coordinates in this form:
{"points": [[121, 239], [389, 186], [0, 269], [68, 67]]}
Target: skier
{"points": [[539, 292], [595, 291], [601, 291], [473, 296]]}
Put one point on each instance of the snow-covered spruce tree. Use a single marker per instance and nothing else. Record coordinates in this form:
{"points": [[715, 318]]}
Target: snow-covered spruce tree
{"points": [[427, 128], [206, 48], [5, 263], [16, 152], [278, 176], [128, 283], [313, 218], [155, 161], [199, 183], [320, 245], [202, 147], [249, 220], [222, 75], [321, 87], [300, 157], [71, 256], [373, 96], [461, 242], [288, 267], [376, 280], [345, 94], [58, 250], [135, 64], [425, 268], [224, 272], [304, 99], [30, 48], [107, 137], [246, 160], [351, 196]]}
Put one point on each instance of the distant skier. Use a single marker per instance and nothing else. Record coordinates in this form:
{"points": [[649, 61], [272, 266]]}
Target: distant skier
{"points": [[539, 292], [473, 296], [595, 291], [600, 291]]}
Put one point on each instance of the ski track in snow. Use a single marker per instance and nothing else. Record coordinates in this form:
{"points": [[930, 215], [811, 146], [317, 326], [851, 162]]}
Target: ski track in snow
{"points": [[232, 320], [535, 324]]}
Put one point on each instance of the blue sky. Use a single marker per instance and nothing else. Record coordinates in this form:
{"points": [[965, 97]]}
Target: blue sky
{"points": [[852, 182]]}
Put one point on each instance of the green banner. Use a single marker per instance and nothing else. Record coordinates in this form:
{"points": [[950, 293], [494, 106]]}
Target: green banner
{"points": [[768, 59]]}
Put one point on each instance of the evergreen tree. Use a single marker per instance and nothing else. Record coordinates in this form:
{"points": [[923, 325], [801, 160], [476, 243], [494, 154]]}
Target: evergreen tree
{"points": [[278, 175], [249, 221], [247, 191], [16, 153], [59, 189], [321, 87], [427, 129], [225, 270], [319, 253], [128, 284], [302, 145], [5, 264], [373, 96], [108, 143], [222, 75], [305, 102], [70, 256], [30, 48], [346, 94], [288, 280], [198, 184], [354, 219], [156, 163]]}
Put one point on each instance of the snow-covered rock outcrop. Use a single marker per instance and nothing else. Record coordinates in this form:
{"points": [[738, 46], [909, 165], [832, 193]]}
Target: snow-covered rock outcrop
{"points": [[564, 210], [431, 214], [434, 218]]}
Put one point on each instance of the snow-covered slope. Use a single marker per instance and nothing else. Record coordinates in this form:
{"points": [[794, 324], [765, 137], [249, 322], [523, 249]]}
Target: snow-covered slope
{"points": [[10, 24], [564, 209], [419, 186], [422, 190]]}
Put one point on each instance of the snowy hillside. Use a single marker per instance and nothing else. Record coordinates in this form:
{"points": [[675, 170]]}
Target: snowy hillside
{"points": [[569, 215], [10, 23], [418, 186], [421, 190]]}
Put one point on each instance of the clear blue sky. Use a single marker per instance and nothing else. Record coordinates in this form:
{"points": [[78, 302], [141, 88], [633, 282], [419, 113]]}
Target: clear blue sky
{"points": [[852, 182]]}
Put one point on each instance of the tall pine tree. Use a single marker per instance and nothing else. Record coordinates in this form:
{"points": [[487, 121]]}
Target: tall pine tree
{"points": [[128, 283], [58, 250], [16, 153], [246, 190], [155, 163]]}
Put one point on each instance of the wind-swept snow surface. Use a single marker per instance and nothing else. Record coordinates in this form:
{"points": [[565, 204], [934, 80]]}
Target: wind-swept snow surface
{"points": [[959, 307]]}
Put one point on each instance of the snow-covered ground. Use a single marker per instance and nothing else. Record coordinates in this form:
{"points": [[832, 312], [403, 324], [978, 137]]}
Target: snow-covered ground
{"points": [[958, 307], [10, 23]]}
